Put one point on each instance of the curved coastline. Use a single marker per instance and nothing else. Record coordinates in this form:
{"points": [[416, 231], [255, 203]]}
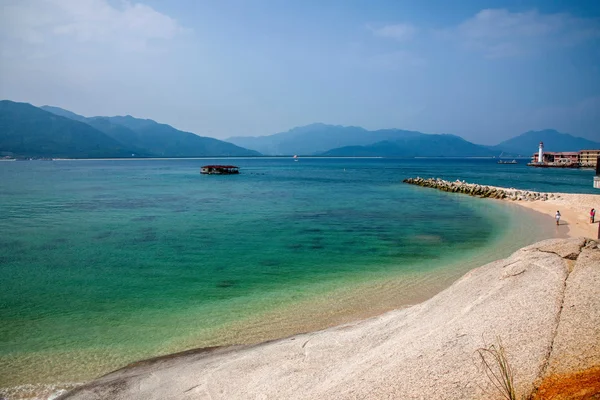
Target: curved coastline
{"points": [[337, 319], [574, 207], [425, 351], [350, 302], [573, 204]]}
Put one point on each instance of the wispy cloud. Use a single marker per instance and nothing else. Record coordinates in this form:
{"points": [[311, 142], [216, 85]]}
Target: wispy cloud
{"points": [[500, 33], [394, 58], [399, 32], [131, 26]]}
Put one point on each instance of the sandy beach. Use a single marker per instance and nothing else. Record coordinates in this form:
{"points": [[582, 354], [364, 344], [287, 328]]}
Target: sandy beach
{"points": [[574, 207], [574, 210]]}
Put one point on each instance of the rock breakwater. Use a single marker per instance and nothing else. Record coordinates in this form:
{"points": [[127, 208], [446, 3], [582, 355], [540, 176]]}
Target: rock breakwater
{"points": [[473, 189]]}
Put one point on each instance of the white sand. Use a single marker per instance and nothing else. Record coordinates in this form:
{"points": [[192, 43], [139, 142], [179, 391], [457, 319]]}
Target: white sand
{"points": [[574, 210]]}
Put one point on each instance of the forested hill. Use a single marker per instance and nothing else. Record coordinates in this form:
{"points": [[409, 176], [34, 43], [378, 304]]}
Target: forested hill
{"points": [[28, 131], [159, 140]]}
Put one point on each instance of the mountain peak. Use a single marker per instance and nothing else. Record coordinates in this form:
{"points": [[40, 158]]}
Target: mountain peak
{"points": [[131, 117]]}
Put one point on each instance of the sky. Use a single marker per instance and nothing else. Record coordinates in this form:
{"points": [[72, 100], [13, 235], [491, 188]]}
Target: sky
{"points": [[481, 69]]}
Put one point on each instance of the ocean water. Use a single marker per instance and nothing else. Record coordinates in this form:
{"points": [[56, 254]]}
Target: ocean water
{"points": [[106, 262]]}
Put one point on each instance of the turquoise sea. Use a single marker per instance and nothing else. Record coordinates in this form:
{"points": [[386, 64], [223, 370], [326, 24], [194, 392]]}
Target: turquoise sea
{"points": [[106, 262]]}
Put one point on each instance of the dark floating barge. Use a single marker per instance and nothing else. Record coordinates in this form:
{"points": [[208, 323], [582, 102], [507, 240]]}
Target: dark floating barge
{"points": [[220, 170]]}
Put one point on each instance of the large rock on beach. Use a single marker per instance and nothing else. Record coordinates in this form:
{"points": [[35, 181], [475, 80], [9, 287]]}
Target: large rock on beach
{"points": [[542, 303]]}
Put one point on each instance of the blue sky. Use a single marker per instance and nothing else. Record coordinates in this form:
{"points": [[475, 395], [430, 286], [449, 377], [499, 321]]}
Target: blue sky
{"points": [[484, 70]]}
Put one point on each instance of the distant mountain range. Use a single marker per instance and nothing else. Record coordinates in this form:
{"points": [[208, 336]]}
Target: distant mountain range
{"points": [[417, 146], [317, 138], [351, 141], [29, 131]]}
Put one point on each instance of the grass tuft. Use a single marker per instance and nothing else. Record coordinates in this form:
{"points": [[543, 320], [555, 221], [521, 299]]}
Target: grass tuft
{"points": [[495, 364]]}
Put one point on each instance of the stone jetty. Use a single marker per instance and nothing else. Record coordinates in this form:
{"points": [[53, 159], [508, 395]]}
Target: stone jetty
{"points": [[473, 189]]}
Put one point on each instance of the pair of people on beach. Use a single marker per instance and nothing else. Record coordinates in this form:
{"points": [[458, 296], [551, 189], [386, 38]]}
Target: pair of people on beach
{"points": [[592, 216]]}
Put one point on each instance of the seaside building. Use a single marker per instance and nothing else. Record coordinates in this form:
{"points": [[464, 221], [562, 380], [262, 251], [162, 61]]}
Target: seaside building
{"points": [[583, 158], [588, 158], [563, 157]]}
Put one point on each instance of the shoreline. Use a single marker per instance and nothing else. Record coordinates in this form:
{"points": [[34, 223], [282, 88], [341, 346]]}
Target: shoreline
{"points": [[338, 319], [574, 207], [422, 351]]}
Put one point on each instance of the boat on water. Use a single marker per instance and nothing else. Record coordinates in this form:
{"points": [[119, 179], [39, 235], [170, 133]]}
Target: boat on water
{"points": [[219, 170], [507, 162]]}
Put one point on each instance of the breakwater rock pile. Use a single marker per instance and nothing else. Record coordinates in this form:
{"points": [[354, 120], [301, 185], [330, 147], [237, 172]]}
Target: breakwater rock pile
{"points": [[473, 189]]}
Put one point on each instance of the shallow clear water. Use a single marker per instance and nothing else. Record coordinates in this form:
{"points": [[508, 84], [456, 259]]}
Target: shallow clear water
{"points": [[106, 262]]}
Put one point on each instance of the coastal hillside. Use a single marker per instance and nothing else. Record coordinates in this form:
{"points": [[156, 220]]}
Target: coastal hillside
{"points": [[416, 146], [540, 306], [166, 141], [27, 131], [157, 139], [318, 138], [527, 143]]}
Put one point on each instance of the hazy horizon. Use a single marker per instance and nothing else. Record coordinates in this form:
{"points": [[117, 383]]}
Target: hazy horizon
{"points": [[483, 70]]}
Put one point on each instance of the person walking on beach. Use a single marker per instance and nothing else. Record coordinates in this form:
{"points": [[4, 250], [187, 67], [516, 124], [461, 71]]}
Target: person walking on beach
{"points": [[592, 216], [557, 217]]}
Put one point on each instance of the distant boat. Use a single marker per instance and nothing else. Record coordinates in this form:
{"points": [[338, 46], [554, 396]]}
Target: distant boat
{"points": [[295, 157], [219, 170], [508, 162]]}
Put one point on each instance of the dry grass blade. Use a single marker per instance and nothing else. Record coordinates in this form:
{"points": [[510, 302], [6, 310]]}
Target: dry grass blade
{"points": [[495, 364]]}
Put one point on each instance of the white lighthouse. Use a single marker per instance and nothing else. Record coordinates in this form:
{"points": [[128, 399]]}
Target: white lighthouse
{"points": [[541, 153]]}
